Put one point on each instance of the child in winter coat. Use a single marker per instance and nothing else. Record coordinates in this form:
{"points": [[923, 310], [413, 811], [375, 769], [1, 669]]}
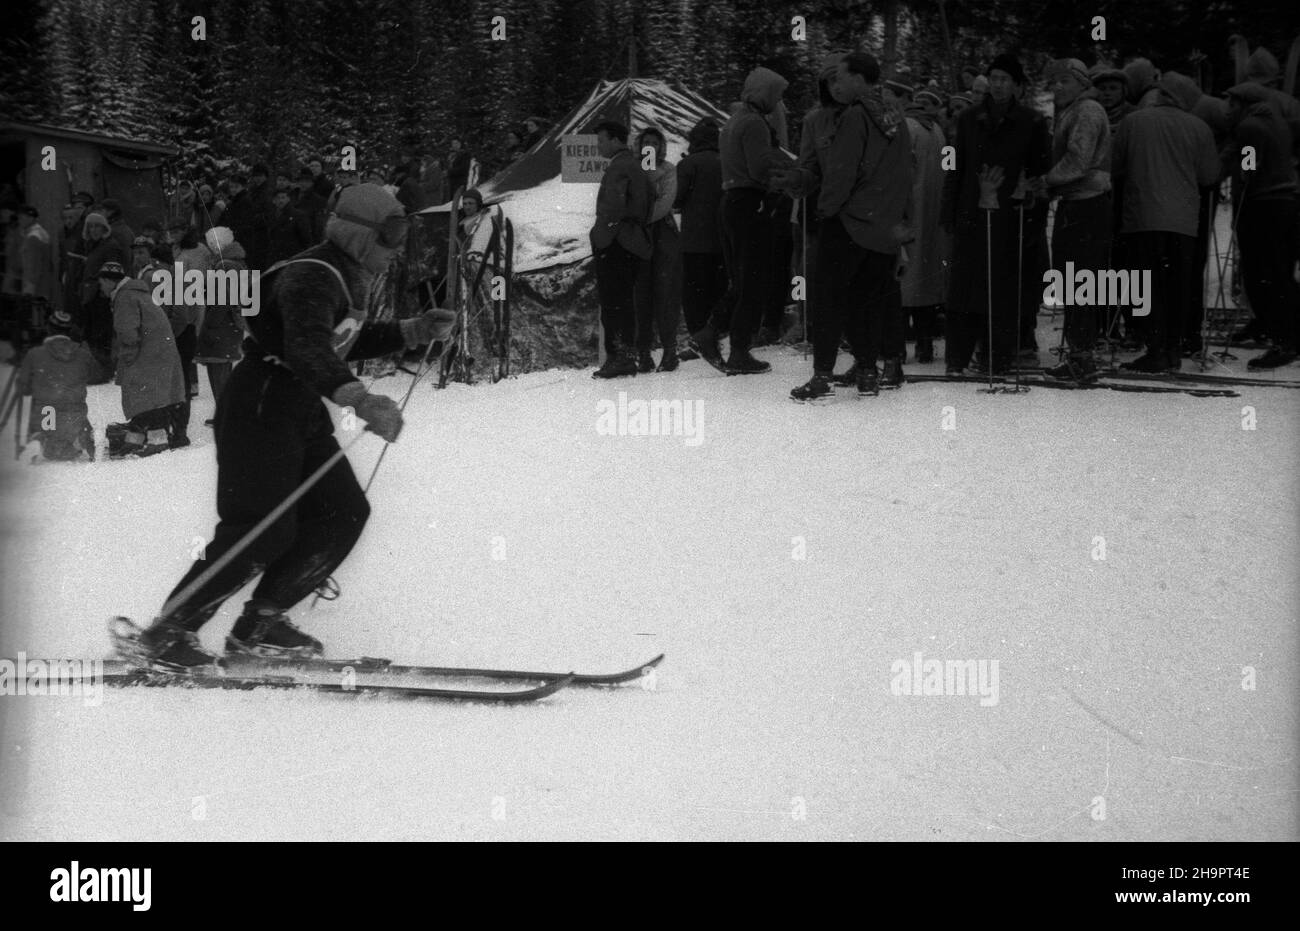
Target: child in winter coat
{"points": [[55, 374]]}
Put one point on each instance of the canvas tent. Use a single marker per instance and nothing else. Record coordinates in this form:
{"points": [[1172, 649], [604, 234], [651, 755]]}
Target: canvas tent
{"points": [[555, 309]]}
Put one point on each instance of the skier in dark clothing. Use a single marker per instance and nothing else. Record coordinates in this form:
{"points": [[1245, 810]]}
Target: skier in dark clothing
{"points": [[749, 154], [1000, 133], [699, 194], [272, 432]]}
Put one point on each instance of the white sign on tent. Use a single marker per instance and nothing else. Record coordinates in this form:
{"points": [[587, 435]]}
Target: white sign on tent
{"points": [[580, 161]]}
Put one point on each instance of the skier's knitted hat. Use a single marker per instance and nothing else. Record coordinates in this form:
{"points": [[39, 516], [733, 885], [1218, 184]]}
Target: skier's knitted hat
{"points": [[59, 323], [219, 238], [93, 219], [146, 241], [960, 98], [1072, 67], [930, 94], [1261, 67], [981, 83], [1011, 65], [1100, 72], [473, 194], [113, 271]]}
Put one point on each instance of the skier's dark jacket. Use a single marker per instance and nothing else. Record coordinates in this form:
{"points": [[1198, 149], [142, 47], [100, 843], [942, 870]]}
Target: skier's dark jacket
{"points": [[303, 312]]}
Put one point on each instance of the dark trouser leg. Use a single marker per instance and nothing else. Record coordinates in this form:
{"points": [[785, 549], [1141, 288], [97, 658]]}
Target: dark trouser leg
{"points": [[264, 423], [748, 229], [185, 343], [331, 516], [1168, 257], [1266, 233], [960, 334], [782, 253], [668, 284], [218, 376], [1081, 236], [838, 260], [882, 336], [616, 273], [703, 285], [1194, 318]]}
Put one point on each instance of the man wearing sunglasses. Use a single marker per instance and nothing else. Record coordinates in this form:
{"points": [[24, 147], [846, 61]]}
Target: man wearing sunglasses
{"points": [[272, 432]]}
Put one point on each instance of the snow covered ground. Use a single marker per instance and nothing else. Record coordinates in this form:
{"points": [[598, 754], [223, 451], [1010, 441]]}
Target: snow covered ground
{"points": [[786, 564]]}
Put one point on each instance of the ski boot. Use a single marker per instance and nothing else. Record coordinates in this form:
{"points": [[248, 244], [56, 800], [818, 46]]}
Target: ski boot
{"points": [[742, 363], [847, 378], [668, 362], [893, 375], [644, 361], [868, 380], [819, 386], [264, 630], [164, 647], [617, 365], [706, 342]]}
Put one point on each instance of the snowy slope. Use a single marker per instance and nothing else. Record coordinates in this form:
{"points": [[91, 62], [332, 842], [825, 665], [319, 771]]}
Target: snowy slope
{"points": [[1119, 678]]}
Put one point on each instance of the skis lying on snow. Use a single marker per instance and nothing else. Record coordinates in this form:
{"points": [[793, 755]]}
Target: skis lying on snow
{"points": [[372, 665], [1040, 382], [1200, 378]]}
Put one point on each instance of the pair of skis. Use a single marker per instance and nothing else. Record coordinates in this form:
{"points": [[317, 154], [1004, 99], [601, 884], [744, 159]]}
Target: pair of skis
{"points": [[347, 676], [1040, 381]]}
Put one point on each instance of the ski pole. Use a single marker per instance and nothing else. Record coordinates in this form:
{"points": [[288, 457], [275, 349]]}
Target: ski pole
{"points": [[803, 261], [13, 378], [425, 368], [257, 530], [18, 426], [1020, 285], [988, 269]]}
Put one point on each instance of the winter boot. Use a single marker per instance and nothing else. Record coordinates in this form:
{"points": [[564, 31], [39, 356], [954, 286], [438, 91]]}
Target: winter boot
{"points": [[164, 647], [706, 341], [265, 630], [868, 380], [819, 386], [644, 361], [924, 350], [618, 364], [155, 442], [1151, 362], [742, 363], [846, 378], [1075, 367], [1273, 359], [893, 374], [668, 361]]}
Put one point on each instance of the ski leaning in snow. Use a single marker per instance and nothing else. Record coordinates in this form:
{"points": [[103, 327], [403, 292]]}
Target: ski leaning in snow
{"points": [[1039, 382]]}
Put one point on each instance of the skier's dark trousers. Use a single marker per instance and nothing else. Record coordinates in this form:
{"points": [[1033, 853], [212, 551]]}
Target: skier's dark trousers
{"points": [[273, 431]]}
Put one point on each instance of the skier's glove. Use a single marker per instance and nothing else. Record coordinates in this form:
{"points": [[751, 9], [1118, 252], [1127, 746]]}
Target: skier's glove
{"points": [[380, 413], [430, 327], [990, 180]]}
